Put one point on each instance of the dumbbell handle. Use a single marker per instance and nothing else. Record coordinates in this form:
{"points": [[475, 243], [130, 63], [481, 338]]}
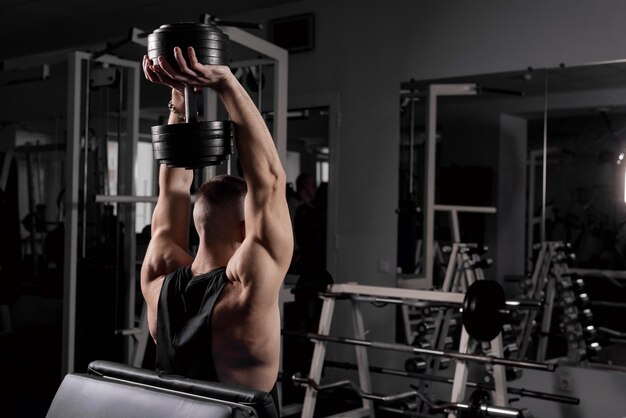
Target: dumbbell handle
{"points": [[484, 408], [491, 410], [191, 105], [524, 304]]}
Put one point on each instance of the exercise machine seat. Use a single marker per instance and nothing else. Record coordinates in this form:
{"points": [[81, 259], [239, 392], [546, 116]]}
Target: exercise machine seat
{"points": [[115, 390]]}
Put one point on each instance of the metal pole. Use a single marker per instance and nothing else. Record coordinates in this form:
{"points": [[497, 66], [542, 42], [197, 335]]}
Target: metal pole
{"points": [[429, 191], [411, 148], [130, 246], [545, 159], [85, 160], [72, 161]]}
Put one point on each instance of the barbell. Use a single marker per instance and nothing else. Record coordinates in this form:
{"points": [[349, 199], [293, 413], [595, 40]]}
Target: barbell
{"points": [[404, 348], [478, 407], [484, 306], [448, 380], [193, 144]]}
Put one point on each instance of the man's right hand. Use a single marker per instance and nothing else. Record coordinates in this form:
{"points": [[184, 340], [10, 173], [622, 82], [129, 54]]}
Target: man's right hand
{"points": [[191, 74]]}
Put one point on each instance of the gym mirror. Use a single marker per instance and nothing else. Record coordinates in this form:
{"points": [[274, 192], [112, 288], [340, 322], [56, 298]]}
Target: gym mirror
{"points": [[539, 154]]}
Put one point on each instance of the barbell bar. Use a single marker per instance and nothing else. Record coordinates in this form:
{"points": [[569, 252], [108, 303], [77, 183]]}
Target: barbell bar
{"points": [[448, 380], [299, 380], [483, 305], [477, 407], [426, 351]]}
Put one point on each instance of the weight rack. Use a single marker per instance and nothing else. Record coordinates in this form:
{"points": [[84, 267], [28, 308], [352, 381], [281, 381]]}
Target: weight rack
{"points": [[358, 293], [554, 283]]}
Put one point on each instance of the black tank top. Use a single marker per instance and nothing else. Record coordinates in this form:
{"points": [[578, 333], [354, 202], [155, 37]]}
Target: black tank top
{"points": [[184, 324]]}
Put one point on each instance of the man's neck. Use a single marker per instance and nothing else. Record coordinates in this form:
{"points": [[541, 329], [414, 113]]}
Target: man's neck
{"points": [[210, 257]]}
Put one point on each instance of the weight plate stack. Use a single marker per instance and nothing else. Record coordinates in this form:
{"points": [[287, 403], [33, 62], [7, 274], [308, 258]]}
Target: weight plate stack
{"points": [[193, 145], [209, 42]]}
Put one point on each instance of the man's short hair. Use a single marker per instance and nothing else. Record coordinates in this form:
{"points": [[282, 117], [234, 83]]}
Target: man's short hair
{"points": [[222, 189], [219, 207]]}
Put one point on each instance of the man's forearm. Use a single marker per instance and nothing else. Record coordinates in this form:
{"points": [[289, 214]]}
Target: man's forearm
{"points": [[171, 214], [175, 179], [257, 151]]}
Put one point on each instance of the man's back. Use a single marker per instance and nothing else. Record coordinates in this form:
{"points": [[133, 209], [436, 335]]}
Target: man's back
{"points": [[184, 337], [204, 332]]}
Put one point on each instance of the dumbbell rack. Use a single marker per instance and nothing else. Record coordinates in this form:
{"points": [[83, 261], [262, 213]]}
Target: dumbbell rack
{"points": [[551, 281], [465, 265], [358, 293]]}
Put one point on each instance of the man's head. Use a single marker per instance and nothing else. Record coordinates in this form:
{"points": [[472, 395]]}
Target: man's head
{"points": [[218, 211], [305, 186]]}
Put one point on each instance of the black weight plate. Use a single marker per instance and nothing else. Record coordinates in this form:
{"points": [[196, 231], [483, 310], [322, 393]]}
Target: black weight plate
{"points": [[190, 149], [193, 164], [193, 157], [195, 132], [204, 33], [191, 127], [482, 310], [167, 44], [200, 53], [173, 140], [196, 148], [191, 30], [192, 136], [190, 146], [198, 135], [210, 43], [478, 398]]}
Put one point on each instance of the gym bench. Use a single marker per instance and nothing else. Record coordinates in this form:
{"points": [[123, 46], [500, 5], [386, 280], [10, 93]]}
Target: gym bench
{"points": [[115, 390]]}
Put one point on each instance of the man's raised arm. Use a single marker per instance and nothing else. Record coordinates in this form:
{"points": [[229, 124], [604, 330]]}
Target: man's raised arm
{"points": [[168, 248], [264, 257]]}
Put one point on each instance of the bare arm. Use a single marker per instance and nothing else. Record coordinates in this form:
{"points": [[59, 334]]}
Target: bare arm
{"points": [[170, 229], [261, 262], [263, 259]]}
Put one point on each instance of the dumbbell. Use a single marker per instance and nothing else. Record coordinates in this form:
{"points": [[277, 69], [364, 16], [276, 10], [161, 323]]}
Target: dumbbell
{"points": [[590, 332], [479, 406], [585, 316], [570, 314], [567, 298], [192, 144], [483, 263], [415, 365], [583, 300], [593, 350], [425, 327], [573, 331], [513, 373]]}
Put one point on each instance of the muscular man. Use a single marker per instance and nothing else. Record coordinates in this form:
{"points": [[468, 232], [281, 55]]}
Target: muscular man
{"points": [[216, 316]]}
